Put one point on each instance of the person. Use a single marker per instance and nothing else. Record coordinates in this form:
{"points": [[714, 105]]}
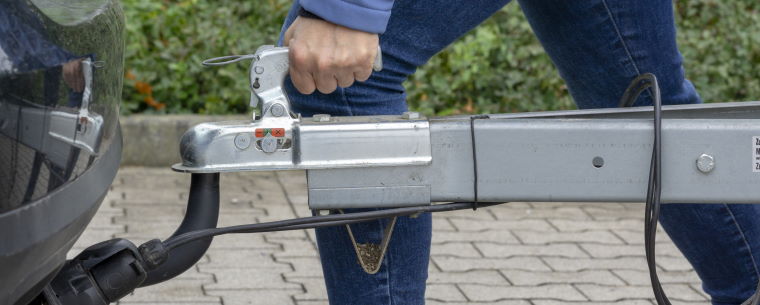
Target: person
{"points": [[598, 46]]}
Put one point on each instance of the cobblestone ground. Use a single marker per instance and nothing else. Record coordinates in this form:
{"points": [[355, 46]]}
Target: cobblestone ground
{"points": [[517, 253]]}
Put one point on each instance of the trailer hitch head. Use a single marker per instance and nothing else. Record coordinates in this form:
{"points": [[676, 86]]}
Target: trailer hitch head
{"points": [[278, 139]]}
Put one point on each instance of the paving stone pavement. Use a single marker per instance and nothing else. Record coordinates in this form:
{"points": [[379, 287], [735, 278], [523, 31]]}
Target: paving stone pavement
{"points": [[516, 254]]}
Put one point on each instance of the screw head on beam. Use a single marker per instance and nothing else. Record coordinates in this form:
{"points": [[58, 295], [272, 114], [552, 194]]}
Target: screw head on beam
{"points": [[705, 163]]}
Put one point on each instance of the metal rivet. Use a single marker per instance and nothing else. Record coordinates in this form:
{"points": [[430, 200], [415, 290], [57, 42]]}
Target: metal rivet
{"points": [[321, 117], [258, 69], [598, 162], [705, 163], [277, 110], [410, 115], [242, 141]]}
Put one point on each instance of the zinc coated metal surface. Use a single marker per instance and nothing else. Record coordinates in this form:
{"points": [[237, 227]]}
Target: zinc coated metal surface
{"points": [[551, 160], [550, 157]]}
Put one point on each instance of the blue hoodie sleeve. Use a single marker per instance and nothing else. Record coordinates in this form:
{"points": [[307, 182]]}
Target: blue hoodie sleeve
{"points": [[364, 15]]}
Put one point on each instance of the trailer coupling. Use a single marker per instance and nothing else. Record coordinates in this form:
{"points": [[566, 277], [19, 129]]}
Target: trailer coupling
{"points": [[405, 163]]}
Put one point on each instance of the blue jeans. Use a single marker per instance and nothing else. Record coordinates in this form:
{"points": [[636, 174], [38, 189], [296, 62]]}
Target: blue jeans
{"points": [[598, 46]]}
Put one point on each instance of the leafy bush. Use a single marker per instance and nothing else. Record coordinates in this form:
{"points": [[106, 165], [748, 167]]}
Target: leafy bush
{"points": [[498, 67], [167, 40]]}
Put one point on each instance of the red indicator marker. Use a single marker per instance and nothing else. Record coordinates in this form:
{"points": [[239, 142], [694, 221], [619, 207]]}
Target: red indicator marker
{"points": [[275, 132]]}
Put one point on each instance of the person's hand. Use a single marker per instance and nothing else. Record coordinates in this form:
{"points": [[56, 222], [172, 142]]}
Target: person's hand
{"points": [[73, 76], [324, 55]]}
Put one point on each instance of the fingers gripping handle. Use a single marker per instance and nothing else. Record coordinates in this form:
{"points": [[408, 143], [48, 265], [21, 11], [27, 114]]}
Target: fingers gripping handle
{"points": [[378, 64], [267, 74]]}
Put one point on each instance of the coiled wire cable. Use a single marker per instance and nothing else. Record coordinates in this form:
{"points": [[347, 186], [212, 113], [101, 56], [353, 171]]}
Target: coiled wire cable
{"points": [[644, 82]]}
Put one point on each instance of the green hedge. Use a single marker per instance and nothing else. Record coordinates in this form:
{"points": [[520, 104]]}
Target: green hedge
{"points": [[498, 67]]}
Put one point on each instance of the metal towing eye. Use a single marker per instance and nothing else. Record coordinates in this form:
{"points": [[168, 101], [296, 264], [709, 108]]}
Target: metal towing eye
{"points": [[404, 163]]}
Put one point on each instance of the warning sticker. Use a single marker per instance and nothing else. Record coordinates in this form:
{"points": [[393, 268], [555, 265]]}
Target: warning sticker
{"points": [[756, 154]]}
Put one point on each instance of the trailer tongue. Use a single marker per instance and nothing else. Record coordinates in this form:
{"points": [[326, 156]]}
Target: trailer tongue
{"points": [[409, 164]]}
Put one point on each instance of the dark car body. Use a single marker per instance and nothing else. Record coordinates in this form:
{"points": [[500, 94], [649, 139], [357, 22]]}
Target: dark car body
{"points": [[61, 70]]}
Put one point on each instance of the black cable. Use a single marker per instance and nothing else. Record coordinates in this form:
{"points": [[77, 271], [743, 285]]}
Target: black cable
{"points": [[315, 222], [654, 188], [475, 159]]}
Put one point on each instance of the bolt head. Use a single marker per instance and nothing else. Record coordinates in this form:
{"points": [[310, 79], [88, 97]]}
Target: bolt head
{"points": [[277, 110], [258, 69], [321, 117], [269, 144], [705, 163], [410, 115], [242, 141]]}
